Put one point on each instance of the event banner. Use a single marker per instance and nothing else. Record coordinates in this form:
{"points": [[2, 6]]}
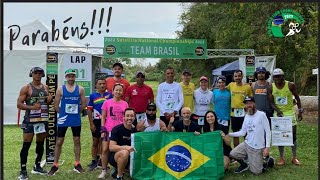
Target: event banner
{"points": [[82, 64], [52, 83], [176, 155], [250, 68], [119, 47], [281, 131]]}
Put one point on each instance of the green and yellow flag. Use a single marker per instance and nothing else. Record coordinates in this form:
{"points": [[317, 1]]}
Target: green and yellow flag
{"points": [[177, 155]]}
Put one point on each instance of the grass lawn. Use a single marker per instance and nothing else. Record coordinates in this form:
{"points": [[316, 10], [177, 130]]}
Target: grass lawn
{"points": [[307, 152]]}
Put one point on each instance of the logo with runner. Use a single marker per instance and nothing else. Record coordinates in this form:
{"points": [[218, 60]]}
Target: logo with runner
{"points": [[285, 22]]}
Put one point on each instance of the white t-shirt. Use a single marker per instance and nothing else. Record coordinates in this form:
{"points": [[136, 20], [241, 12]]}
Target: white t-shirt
{"points": [[255, 126], [202, 101], [169, 97]]}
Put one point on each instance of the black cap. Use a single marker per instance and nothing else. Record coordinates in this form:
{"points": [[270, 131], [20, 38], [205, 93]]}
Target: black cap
{"points": [[140, 72], [117, 64], [153, 105], [248, 98], [186, 71]]}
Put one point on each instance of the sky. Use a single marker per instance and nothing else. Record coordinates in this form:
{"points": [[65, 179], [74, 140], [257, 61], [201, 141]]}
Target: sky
{"points": [[149, 20]]}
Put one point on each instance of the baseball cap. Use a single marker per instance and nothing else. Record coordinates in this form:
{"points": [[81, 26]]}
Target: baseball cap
{"points": [[248, 98], [117, 64], [70, 71], [37, 69], [186, 71], [261, 69], [151, 106], [223, 78], [203, 78], [277, 71], [140, 72]]}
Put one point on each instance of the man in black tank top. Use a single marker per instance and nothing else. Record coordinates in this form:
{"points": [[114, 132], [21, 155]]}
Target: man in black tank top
{"points": [[34, 99], [260, 91]]}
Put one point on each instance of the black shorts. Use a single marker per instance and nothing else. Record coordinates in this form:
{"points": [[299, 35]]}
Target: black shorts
{"points": [[236, 123], [97, 124], [76, 131], [163, 118], [28, 127], [113, 162]]}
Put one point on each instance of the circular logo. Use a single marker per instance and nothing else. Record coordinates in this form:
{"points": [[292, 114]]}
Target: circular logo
{"points": [[111, 49], [285, 22], [199, 51], [178, 158]]}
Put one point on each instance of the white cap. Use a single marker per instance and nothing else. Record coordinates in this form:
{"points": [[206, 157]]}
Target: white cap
{"points": [[277, 71]]}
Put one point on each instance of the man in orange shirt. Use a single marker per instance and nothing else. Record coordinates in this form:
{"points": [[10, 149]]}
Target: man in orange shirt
{"points": [[117, 69]]}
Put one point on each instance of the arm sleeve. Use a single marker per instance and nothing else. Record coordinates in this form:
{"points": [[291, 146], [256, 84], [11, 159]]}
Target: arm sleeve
{"points": [[242, 132], [90, 103], [181, 101], [159, 98]]}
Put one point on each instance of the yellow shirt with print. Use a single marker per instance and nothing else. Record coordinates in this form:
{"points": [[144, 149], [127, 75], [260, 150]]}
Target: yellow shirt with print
{"points": [[188, 95], [238, 93]]}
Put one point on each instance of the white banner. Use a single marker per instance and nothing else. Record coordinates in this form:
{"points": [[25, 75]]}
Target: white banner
{"points": [[82, 64], [269, 62], [281, 131]]}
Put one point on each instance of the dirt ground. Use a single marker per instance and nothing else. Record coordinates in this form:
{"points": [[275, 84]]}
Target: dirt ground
{"points": [[311, 117]]}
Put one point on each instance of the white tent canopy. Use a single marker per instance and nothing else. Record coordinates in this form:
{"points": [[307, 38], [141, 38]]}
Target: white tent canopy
{"points": [[18, 63]]}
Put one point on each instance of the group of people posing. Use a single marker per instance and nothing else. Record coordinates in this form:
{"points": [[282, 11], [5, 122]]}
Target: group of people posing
{"points": [[118, 109]]}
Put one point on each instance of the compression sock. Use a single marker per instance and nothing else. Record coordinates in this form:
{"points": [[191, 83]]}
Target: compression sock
{"points": [[281, 151], [294, 149], [39, 153], [24, 155]]}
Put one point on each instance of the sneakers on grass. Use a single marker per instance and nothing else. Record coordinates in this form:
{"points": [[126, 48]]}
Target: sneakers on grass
{"points": [[53, 171], [103, 174], [243, 167], [23, 175], [78, 169], [38, 170]]}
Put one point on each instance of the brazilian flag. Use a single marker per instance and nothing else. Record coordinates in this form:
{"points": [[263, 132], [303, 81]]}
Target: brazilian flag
{"points": [[176, 155]]}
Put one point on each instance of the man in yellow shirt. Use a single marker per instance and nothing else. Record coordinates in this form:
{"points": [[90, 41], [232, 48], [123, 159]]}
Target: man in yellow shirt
{"points": [[238, 92], [280, 97], [187, 89]]}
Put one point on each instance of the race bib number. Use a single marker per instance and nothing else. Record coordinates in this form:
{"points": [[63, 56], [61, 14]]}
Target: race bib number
{"points": [[72, 108], [222, 122], [239, 112], [281, 100], [140, 117], [39, 128], [201, 121], [169, 105]]}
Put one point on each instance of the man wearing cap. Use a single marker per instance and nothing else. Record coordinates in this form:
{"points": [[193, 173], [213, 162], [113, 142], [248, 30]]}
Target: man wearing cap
{"points": [[260, 91], [169, 97], [257, 140], [152, 123], [280, 97], [202, 101], [73, 101], [138, 96], [222, 104], [238, 91], [187, 89], [117, 69], [34, 98]]}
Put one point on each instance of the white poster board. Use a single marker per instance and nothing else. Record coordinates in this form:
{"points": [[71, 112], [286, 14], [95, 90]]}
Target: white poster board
{"points": [[281, 131], [82, 64]]}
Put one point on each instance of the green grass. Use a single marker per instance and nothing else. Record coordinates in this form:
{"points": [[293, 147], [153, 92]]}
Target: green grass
{"points": [[307, 152]]}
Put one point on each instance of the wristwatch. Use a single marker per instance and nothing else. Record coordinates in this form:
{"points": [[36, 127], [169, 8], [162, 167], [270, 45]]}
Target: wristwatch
{"points": [[300, 110]]}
